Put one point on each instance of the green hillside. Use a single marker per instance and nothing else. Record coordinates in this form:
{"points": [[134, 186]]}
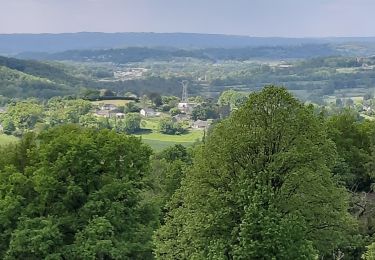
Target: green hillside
{"points": [[24, 78]]}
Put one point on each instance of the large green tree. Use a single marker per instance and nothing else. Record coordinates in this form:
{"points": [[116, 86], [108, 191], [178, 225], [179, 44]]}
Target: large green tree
{"points": [[75, 193], [260, 188], [355, 141]]}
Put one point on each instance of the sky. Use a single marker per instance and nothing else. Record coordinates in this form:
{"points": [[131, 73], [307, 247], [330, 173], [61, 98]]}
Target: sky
{"points": [[285, 18]]}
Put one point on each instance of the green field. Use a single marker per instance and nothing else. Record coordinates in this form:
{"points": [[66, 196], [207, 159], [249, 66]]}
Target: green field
{"points": [[113, 102], [6, 139], [160, 141]]}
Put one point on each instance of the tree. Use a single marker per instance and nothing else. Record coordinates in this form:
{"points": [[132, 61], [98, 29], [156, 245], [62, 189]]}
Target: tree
{"points": [[144, 102], [75, 193], [370, 253], [174, 111], [171, 101], [64, 111], [131, 123], [259, 188], [8, 125], [35, 238], [91, 94], [353, 140], [205, 111], [23, 115], [107, 93], [168, 126], [168, 170], [232, 98], [156, 99], [89, 120], [131, 107]]}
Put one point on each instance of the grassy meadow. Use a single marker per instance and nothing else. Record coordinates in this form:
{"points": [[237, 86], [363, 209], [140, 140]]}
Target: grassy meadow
{"points": [[159, 141], [113, 102]]}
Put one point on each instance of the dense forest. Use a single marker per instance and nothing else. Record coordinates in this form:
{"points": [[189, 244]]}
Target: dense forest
{"points": [[277, 179]]}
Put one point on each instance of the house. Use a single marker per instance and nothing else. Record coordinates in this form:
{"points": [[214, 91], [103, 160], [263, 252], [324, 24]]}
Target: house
{"points": [[147, 112], [109, 107], [104, 113], [132, 96], [120, 115], [186, 107], [3, 110], [200, 124]]}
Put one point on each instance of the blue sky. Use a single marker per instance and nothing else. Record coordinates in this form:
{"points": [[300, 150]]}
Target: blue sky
{"points": [[287, 18]]}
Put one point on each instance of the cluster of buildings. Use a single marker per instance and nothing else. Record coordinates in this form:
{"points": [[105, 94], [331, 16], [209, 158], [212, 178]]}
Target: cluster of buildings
{"points": [[109, 111], [129, 74], [112, 111], [185, 107]]}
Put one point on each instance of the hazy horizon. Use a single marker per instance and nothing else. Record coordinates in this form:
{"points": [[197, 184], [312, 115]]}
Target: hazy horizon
{"points": [[146, 32], [256, 18]]}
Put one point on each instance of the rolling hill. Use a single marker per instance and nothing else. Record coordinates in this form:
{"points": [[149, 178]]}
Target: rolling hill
{"points": [[25, 78]]}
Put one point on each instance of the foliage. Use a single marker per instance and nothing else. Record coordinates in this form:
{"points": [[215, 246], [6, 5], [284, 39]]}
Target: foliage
{"points": [[22, 115], [23, 78], [354, 141], [131, 124], [169, 127], [205, 111], [370, 253], [156, 99], [131, 107], [75, 193], [174, 111], [232, 98], [167, 170], [260, 187]]}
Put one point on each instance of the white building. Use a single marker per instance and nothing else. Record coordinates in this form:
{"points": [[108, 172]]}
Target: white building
{"points": [[147, 112], [186, 107], [200, 124], [120, 115], [109, 107]]}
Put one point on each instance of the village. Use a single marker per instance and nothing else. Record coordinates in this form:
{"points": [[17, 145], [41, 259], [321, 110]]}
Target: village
{"points": [[106, 109], [178, 110]]}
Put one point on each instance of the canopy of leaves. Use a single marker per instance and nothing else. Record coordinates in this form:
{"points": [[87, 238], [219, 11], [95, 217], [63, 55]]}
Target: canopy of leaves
{"points": [[168, 126], [74, 193], [259, 188]]}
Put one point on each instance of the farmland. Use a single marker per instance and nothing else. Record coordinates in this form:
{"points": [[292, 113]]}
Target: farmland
{"points": [[115, 102]]}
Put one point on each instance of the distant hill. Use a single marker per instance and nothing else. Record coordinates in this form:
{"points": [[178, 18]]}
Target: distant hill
{"points": [[138, 54], [17, 43], [24, 78], [28, 78], [131, 54]]}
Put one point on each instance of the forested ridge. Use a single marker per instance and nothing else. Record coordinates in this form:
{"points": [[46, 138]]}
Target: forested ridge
{"points": [[137, 54], [277, 179], [27, 78]]}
